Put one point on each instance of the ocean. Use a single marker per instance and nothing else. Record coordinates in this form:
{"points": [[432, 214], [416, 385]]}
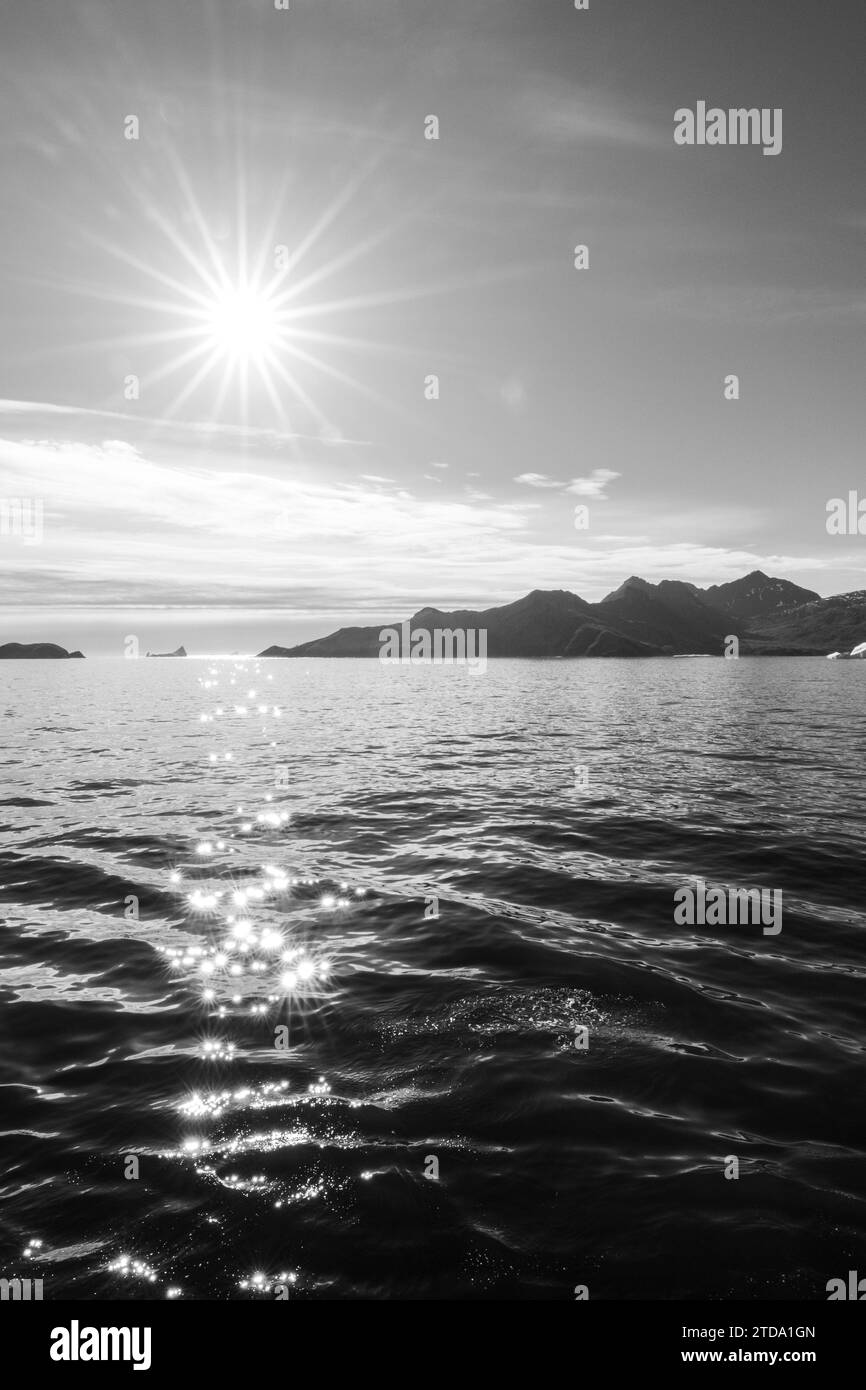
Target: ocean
{"points": [[333, 979]]}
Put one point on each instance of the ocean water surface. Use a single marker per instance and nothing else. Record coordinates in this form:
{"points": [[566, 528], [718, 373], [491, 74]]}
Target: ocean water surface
{"points": [[281, 940]]}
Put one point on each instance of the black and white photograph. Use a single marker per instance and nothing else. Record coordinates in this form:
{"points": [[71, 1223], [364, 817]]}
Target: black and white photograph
{"points": [[432, 664]]}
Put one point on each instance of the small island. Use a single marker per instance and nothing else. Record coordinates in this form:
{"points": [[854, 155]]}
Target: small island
{"points": [[36, 651], [181, 651]]}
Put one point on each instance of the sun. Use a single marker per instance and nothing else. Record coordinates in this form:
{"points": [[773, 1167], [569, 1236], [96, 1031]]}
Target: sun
{"points": [[245, 318], [244, 324]]}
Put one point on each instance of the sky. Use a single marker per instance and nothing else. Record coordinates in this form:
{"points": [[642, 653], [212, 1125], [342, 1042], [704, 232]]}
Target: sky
{"points": [[217, 418]]}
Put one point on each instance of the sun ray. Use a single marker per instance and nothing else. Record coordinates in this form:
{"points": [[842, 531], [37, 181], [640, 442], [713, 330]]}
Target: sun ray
{"points": [[236, 313], [192, 385], [121, 253], [174, 365], [268, 239], [325, 425], [195, 211], [353, 253], [412, 293], [338, 205]]}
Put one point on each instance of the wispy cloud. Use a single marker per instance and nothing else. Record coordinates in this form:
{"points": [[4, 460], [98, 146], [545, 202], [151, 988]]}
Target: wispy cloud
{"points": [[171, 427], [592, 486], [123, 529], [537, 480], [119, 522], [587, 116]]}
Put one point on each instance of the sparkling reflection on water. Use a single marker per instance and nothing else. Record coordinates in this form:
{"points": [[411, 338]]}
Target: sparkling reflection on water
{"points": [[278, 933]]}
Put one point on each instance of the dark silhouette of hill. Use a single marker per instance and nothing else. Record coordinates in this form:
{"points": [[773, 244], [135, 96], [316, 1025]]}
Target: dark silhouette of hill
{"points": [[37, 651], [672, 618]]}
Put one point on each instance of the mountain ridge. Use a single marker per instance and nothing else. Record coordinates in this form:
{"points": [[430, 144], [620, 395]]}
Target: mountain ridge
{"points": [[768, 616]]}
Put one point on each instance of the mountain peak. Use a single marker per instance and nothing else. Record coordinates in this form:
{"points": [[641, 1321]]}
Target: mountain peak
{"points": [[757, 595], [634, 584]]}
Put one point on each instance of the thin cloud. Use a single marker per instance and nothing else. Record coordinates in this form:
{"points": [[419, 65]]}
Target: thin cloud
{"points": [[536, 480], [587, 117], [594, 485], [173, 426]]}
